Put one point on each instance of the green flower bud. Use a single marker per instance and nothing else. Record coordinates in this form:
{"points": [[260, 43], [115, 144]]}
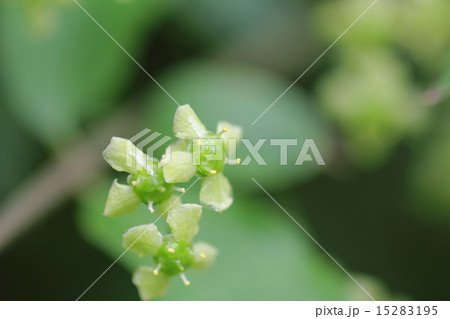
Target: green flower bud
{"points": [[150, 286], [121, 200], [143, 240], [216, 192], [183, 221], [204, 255], [174, 257], [208, 155], [124, 156], [151, 188], [186, 124]]}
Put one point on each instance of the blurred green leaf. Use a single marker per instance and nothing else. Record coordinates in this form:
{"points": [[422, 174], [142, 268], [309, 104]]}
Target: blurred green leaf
{"points": [[69, 70], [231, 19], [419, 28], [373, 101], [443, 85], [424, 33], [263, 255], [19, 153], [331, 18], [239, 94], [430, 172], [260, 31]]}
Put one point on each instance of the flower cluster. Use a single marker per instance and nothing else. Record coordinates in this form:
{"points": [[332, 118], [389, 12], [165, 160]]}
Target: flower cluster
{"points": [[152, 182]]}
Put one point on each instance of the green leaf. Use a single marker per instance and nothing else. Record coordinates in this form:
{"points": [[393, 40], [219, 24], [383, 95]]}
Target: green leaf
{"points": [[183, 221], [373, 123], [150, 286], [69, 72], [124, 156], [430, 173], [178, 167], [121, 200], [204, 255], [187, 125], [16, 163], [216, 192], [144, 240], [417, 25], [331, 18]]}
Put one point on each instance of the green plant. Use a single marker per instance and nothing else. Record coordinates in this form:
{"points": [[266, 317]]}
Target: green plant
{"points": [[152, 182], [203, 153]]}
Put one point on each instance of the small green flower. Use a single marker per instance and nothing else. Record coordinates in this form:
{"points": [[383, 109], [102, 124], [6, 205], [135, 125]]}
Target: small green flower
{"points": [[203, 153], [173, 253], [146, 182]]}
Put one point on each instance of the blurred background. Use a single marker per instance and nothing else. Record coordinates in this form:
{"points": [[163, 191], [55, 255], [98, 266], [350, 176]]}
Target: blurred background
{"points": [[377, 106]]}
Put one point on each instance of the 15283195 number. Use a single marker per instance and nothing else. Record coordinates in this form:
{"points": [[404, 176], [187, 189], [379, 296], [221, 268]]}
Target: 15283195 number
{"points": [[407, 310]]}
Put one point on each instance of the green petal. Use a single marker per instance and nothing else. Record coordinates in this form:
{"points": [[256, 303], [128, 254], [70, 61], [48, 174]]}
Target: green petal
{"points": [[204, 255], [216, 192], [178, 167], [233, 132], [172, 203], [124, 156], [183, 221], [150, 286], [121, 200], [186, 124], [143, 240], [178, 146]]}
